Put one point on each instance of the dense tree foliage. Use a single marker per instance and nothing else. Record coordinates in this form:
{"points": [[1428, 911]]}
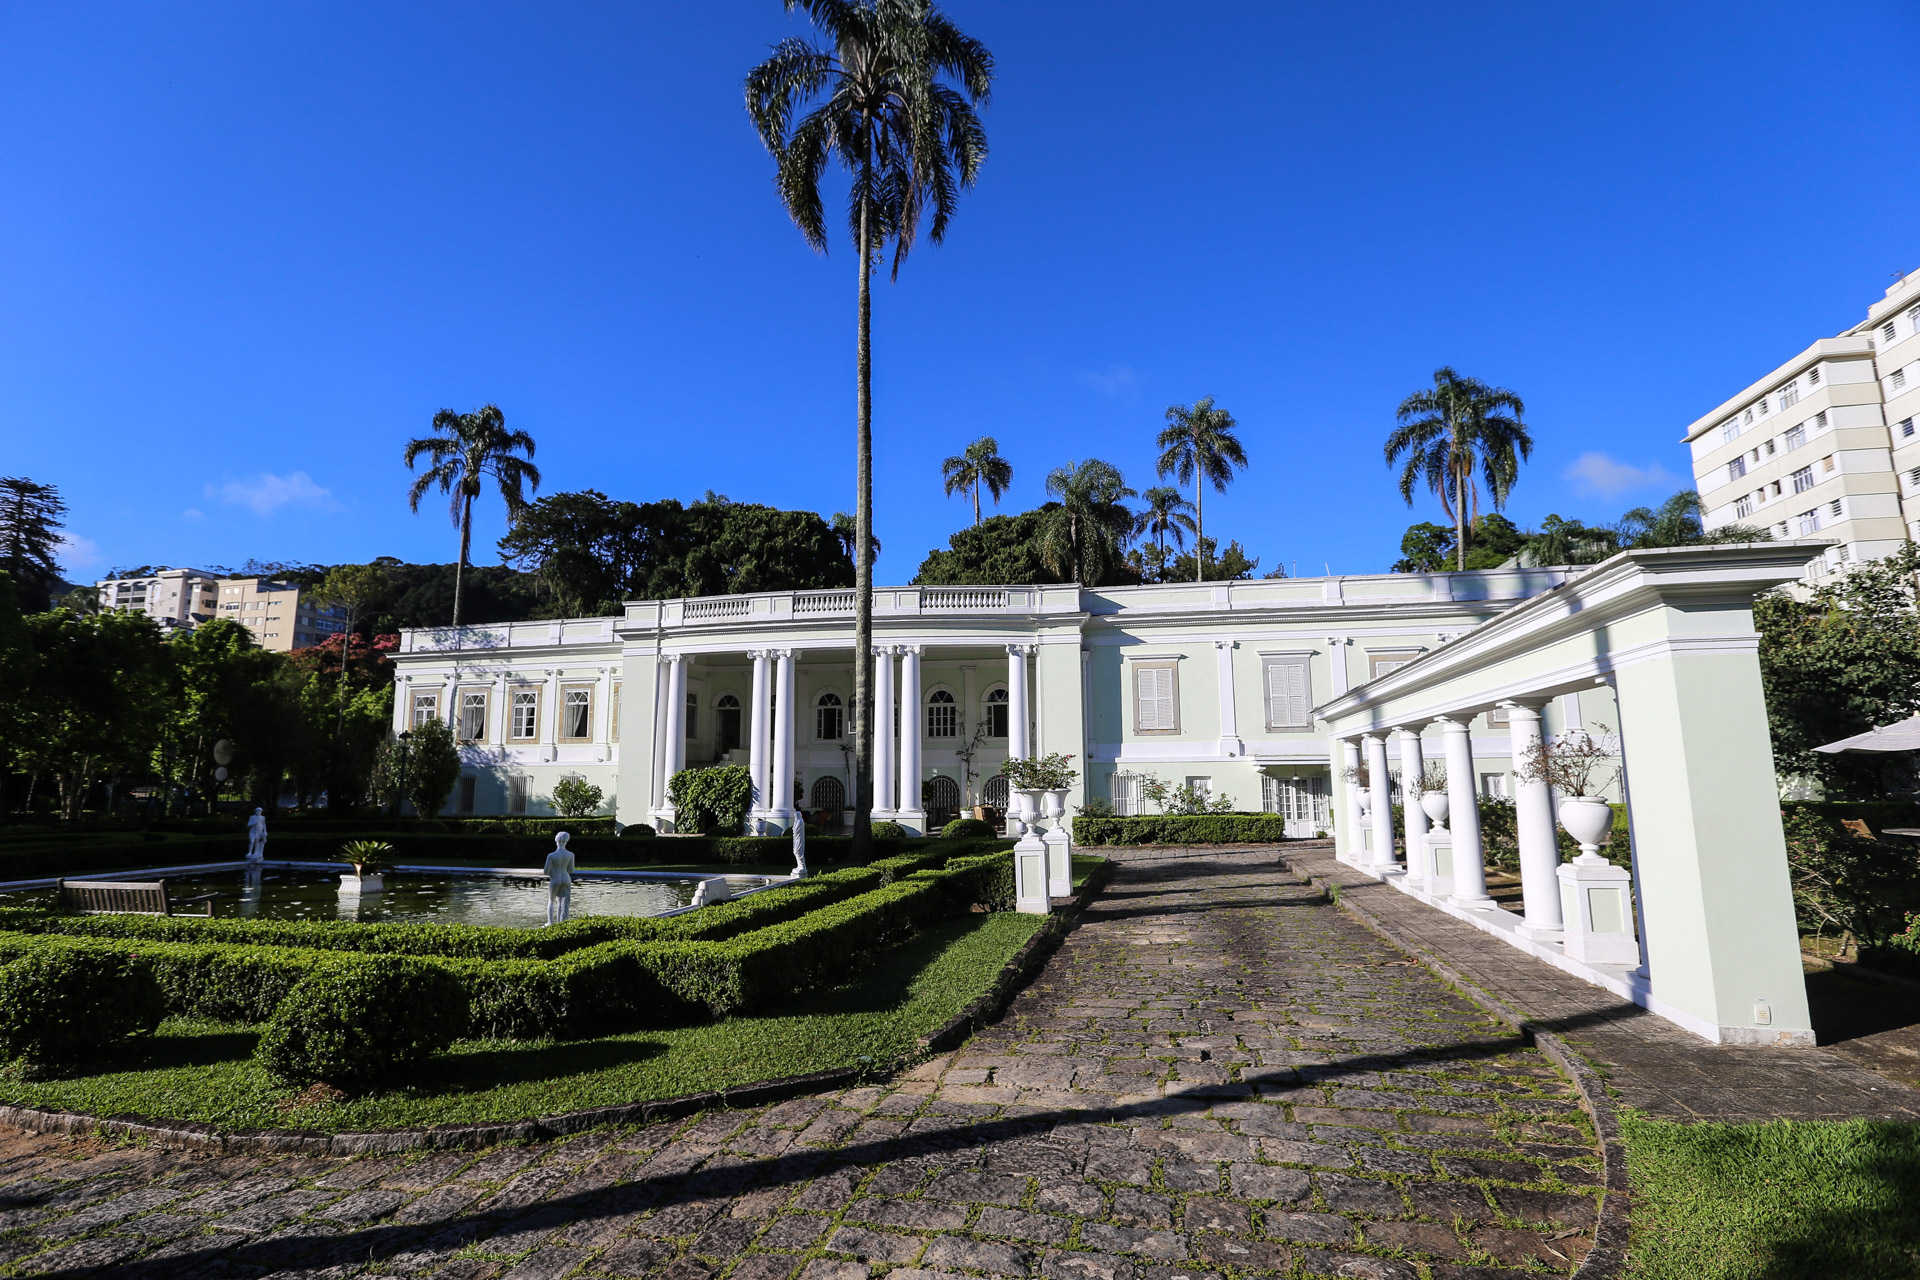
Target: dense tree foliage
{"points": [[1000, 549], [31, 517], [592, 552], [1493, 540], [1838, 663]]}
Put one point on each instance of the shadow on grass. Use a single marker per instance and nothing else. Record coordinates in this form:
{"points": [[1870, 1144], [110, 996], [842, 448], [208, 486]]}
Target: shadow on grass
{"points": [[508, 1063], [163, 1053]]}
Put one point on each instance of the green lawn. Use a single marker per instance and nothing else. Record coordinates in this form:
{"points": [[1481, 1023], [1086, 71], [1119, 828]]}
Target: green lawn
{"points": [[202, 1071], [1779, 1201]]}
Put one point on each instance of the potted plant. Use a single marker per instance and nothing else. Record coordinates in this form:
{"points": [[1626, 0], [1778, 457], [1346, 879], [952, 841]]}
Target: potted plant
{"points": [[1025, 780], [370, 858], [1431, 786], [1579, 768], [1055, 779], [1358, 776]]}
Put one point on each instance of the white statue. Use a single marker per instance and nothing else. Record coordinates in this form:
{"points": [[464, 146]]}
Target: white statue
{"points": [[257, 836], [800, 851], [559, 880]]}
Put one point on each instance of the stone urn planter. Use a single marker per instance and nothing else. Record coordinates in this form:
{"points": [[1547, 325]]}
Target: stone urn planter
{"points": [[1056, 807], [1589, 820], [1434, 805], [1366, 800], [1027, 803]]}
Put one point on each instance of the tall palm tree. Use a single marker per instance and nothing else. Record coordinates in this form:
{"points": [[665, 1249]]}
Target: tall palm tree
{"points": [[1449, 432], [1082, 538], [1166, 516], [893, 100], [1198, 445], [980, 464], [468, 448]]}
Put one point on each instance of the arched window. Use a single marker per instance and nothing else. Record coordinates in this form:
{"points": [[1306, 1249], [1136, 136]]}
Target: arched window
{"points": [[994, 793], [940, 800], [943, 715], [997, 713], [726, 722], [829, 717], [830, 797]]}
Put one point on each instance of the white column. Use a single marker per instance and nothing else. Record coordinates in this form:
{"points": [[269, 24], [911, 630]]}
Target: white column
{"points": [[1382, 787], [1018, 716], [911, 726], [1230, 744], [1355, 838], [1533, 820], [676, 727], [1463, 817], [780, 808], [884, 783], [1414, 818], [657, 762], [759, 740]]}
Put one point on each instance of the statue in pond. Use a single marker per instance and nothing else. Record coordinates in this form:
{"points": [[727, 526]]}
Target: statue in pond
{"points": [[800, 850], [559, 880], [257, 836]]}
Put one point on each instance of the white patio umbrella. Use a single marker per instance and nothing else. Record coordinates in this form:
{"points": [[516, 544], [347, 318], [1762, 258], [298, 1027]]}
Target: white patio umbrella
{"points": [[1902, 735]]}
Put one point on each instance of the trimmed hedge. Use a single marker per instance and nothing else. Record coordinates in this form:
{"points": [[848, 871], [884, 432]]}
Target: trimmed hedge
{"points": [[55, 1006], [354, 1020], [1206, 828]]}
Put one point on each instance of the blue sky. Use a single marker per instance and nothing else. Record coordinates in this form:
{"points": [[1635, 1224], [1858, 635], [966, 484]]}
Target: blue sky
{"points": [[249, 249]]}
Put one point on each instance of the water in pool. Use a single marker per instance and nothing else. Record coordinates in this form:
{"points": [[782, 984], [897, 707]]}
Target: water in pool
{"points": [[513, 901]]}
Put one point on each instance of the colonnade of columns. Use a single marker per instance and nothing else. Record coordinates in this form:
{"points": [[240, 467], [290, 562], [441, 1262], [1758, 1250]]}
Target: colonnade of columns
{"points": [[1447, 859], [899, 727]]}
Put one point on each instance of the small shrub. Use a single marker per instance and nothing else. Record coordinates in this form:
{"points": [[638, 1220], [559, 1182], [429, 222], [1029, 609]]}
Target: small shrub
{"points": [[637, 831], [1210, 828], [576, 797], [713, 800], [888, 831], [355, 1021], [56, 1006], [967, 828]]}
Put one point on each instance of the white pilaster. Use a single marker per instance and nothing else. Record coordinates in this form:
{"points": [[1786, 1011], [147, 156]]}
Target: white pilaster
{"points": [[885, 783], [1353, 844], [675, 728], [1018, 715], [1337, 663], [911, 814], [549, 748], [1533, 822], [1230, 744], [1463, 817], [759, 739], [1413, 819], [1381, 785], [780, 810], [603, 712]]}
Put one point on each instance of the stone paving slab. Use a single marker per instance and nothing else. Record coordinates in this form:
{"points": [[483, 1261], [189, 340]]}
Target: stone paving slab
{"points": [[1649, 1063], [1218, 1075]]}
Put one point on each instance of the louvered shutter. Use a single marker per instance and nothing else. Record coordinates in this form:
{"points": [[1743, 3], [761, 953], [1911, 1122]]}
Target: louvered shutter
{"points": [[1154, 686], [1286, 695]]}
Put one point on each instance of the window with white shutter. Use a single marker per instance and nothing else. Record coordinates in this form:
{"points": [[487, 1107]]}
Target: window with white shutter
{"points": [[1287, 700], [1156, 699]]}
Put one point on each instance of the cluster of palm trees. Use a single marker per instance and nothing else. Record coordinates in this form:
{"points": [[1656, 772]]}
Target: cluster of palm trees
{"points": [[1083, 537]]}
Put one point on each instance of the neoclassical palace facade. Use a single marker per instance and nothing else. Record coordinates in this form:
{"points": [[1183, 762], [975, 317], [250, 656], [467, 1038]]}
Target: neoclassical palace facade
{"points": [[1211, 684]]}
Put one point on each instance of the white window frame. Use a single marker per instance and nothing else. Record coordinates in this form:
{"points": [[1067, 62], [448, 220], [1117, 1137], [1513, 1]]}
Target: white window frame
{"points": [[424, 706], [466, 697], [821, 706], [567, 702], [950, 710], [1294, 703], [1163, 720], [1803, 479], [515, 706], [989, 704]]}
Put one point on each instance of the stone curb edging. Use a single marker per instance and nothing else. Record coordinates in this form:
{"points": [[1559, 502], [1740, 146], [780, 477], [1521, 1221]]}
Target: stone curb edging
{"points": [[1607, 1260], [185, 1135]]}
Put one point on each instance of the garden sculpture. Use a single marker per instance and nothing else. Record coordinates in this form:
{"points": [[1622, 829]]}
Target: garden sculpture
{"points": [[559, 880], [257, 836], [800, 850]]}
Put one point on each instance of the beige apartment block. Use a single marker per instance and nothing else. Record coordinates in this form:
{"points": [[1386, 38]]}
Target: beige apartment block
{"points": [[281, 615], [1824, 445], [175, 598]]}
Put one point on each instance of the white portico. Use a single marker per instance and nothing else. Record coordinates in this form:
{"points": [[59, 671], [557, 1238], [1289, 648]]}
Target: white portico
{"points": [[1210, 685]]}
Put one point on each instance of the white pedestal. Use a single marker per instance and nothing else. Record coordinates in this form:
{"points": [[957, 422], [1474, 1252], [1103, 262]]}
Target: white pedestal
{"points": [[353, 884], [1439, 859], [1596, 902], [1030, 875], [1059, 861]]}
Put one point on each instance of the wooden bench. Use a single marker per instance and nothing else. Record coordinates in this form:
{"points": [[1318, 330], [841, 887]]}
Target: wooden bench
{"points": [[124, 897]]}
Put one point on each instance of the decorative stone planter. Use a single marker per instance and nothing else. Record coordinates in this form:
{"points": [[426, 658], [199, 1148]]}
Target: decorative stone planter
{"points": [[1434, 805], [1026, 806], [1366, 800], [1056, 803], [1589, 820], [351, 883]]}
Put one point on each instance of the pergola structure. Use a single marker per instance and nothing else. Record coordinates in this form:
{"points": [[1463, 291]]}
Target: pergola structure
{"points": [[1701, 931]]}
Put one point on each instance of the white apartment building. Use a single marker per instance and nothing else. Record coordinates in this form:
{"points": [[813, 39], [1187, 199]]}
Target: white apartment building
{"points": [[1824, 446], [281, 615], [175, 598]]}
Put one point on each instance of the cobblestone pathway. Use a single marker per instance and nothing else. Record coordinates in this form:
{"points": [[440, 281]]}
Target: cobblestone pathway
{"points": [[1217, 1075]]}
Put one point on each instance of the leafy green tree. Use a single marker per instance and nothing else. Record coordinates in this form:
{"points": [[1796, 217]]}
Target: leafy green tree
{"points": [[421, 595], [576, 797], [433, 766], [1571, 542], [16, 666], [466, 449], [1001, 550], [978, 465], [1198, 445], [1838, 663], [1082, 539], [1425, 548], [1492, 541], [884, 103], [218, 688], [31, 517], [1454, 437], [1231, 565], [96, 692]]}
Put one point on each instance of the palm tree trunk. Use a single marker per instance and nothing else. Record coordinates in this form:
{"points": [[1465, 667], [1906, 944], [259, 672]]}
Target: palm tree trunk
{"points": [[976, 504], [1199, 532], [1459, 519], [466, 542], [863, 726]]}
